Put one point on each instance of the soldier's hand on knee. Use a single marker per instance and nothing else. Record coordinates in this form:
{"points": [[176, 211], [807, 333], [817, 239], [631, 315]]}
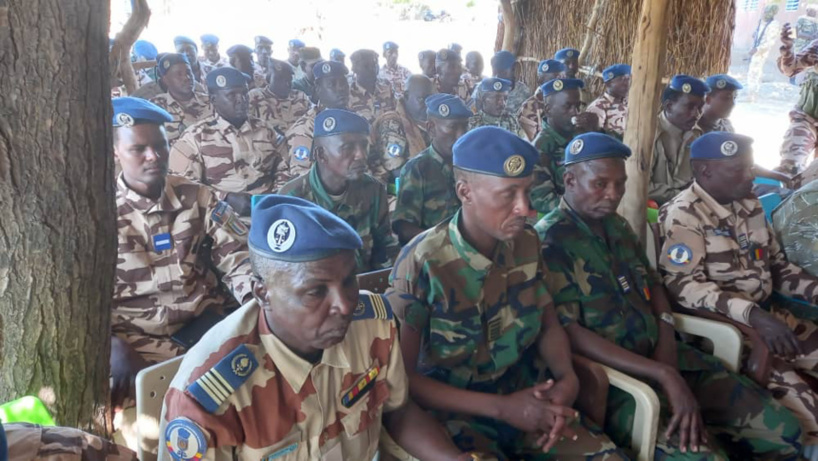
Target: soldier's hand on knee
{"points": [[563, 392], [778, 336], [526, 412], [686, 418], [559, 431]]}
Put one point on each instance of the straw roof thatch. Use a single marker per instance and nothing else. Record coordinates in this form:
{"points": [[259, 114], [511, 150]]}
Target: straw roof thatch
{"points": [[700, 33]]}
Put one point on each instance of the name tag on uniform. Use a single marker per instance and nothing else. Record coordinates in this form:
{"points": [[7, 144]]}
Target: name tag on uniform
{"points": [[161, 242], [743, 241], [278, 454], [623, 282], [721, 232]]}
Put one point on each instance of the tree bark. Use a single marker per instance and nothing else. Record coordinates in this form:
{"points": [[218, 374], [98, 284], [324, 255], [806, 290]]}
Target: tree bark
{"points": [[57, 220]]}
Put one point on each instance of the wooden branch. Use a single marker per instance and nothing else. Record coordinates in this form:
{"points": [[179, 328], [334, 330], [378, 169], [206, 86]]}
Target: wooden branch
{"points": [[509, 25], [119, 58], [590, 33]]}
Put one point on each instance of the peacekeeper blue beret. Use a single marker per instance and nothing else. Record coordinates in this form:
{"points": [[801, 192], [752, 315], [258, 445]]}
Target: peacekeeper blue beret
{"points": [[129, 111], [616, 70], [550, 66], [495, 85], [561, 84], [592, 146], [329, 69], [144, 49], [447, 56], [209, 39], [448, 106], [494, 151], [296, 43], [566, 53], [262, 40], [225, 78], [168, 60], [718, 145], [331, 122], [294, 230], [503, 60], [236, 50], [723, 82], [390, 46], [688, 85], [335, 53], [182, 40]]}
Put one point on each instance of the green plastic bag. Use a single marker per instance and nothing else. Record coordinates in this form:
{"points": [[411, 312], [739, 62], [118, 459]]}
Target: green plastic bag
{"points": [[28, 409]]}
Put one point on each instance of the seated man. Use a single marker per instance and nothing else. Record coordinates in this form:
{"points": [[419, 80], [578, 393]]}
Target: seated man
{"points": [[264, 54], [449, 68], [278, 103], [307, 370], [614, 308], [473, 74], [722, 256], [492, 109], [612, 107], [305, 82], [172, 233], [211, 59], [795, 223], [338, 183], [426, 62], [180, 101], [186, 46], [531, 112], [569, 57], [294, 48], [718, 104], [369, 95], [426, 196], [483, 347], [504, 66]]}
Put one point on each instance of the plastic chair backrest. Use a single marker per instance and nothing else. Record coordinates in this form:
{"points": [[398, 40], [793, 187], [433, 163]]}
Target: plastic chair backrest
{"points": [[152, 384], [375, 281], [769, 202]]}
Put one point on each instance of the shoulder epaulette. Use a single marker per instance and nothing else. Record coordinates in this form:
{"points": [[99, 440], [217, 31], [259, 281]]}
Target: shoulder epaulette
{"points": [[214, 387], [372, 306]]}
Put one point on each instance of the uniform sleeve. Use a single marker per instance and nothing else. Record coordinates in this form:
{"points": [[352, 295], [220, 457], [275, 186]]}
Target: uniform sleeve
{"points": [[528, 118], [390, 150], [788, 278], [790, 63], [185, 159], [299, 149], [282, 167], [559, 280], [544, 196], [596, 108], [396, 377], [409, 205], [685, 276], [406, 294], [385, 245], [229, 253]]}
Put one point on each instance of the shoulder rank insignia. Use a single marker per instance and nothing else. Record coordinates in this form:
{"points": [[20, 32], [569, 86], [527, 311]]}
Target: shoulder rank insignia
{"points": [[361, 387], [214, 387], [372, 306]]}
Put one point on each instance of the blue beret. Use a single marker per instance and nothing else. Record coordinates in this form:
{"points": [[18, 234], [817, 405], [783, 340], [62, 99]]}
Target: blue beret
{"points": [[616, 70], [448, 106], [723, 82], [335, 53], [224, 78], [262, 40], [210, 39], [550, 66], [145, 50], [592, 146], [561, 84], [503, 60], [687, 84], [718, 145], [331, 122], [282, 66], [495, 85], [566, 53], [168, 60], [130, 111], [182, 40], [295, 230], [296, 43], [329, 69], [447, 56], [456, 47], [359, 55], [238, 50], [390, 46], [494, 151]]}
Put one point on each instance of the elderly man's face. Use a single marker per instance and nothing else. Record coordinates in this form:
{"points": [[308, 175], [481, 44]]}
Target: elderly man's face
{"points": [[595, 188], [498, 206], [494, 103]]}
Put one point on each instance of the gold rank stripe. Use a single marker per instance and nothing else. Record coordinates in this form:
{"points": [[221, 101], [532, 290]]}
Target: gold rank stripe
{"points": [[379, 307]]}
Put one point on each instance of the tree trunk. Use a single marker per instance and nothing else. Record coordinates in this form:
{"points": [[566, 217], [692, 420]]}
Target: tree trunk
{"points": [[57, 221]]}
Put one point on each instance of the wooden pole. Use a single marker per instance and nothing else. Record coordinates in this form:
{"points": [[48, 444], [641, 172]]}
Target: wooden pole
{"points": [[648, 62], [509, 25], [590, 33]]}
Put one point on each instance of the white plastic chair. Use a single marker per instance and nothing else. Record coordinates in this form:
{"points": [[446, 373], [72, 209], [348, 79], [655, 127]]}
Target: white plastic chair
{"points": [[152, 384]]}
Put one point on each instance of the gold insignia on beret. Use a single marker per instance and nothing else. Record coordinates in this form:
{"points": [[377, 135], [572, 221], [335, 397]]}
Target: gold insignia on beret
{"points": [[166, 64], [498, 86], [514, 165], [570, 53], [544, 68], [686, 88], [329, 124], [221, 81], [443, 110], [576, 147], [326, 68], [125, 120], [721, 83], [729, 148], [558, 85]]}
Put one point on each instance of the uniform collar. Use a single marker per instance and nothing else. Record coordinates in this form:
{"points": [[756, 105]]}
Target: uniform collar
{"points": [[168, 200], [321, 195], [550, 131], [437, 157], [666, 126], [743, 207], [503, 252], [572, 215]]}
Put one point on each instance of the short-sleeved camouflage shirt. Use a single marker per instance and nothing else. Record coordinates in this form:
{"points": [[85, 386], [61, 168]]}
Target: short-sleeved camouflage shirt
{"points": [[426, 195], [506, 121], [397, 138], [370, 105], [184, 114], [279, 113]]}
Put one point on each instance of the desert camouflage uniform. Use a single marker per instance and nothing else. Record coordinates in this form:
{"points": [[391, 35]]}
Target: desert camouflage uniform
{"points": [[154, 89], [725, 259], [397, 138], [305, 86], [769, 36], [548, 185], [721, 124], [184, 114], [613, 116], [157, 291], [367, 105], [670, 167], [299, 142], [363, 206], [426, 196], [280, 114], [31, 442], [283, 407], [506, 121], [207, 66], [396, 77], [479, 320], [248, 159], [516, 97], [530, 115], [796, 227], [604, 286], [461, 91], [801, 137], [806, 30]]}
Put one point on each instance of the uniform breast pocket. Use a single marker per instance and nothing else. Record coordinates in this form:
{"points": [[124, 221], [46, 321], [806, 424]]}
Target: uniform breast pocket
{"points": [[453, 337], [362, 426], [291, 448]]}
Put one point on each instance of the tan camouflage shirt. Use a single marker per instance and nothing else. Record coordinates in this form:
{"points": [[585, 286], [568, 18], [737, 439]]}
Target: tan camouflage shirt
{"points": [[470, 80], [184, 114], [163, 276], [725, 258], [396, 77], [370, 105], [397, 138], [506, 121], [670, 167], [207, 66], [461, 91], [279, 113], [272, 404], [299, 142], [613, 116], [248, 159], [32, 442], [530, 116]]}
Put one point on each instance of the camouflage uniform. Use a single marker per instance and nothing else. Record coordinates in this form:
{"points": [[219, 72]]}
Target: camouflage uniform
{"points": [[163, 274], [31, 442], [470, 81], [548, 185], [184, 114], [248, 159], [725, 259], [479, 320], [721, 124], [207, 66], [516, 97], [259, 78], [426, 196], [154, 89], [461, 90], [396, 77], [796, 226], [765, 39], [305, 86], [801, 137], [806, 30], [530, 115], [368, 105], [506, 121], [280, 114], [397, 138], [613, 116], [299, 142], [363, 206], [280, 406], [670, 167], [585, 274]]}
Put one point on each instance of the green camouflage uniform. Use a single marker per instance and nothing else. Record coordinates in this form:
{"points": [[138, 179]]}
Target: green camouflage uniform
{"points": [[426, 194], [548, 186], [505, 121], [605, 286], [480, 320], [363, 206]]}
